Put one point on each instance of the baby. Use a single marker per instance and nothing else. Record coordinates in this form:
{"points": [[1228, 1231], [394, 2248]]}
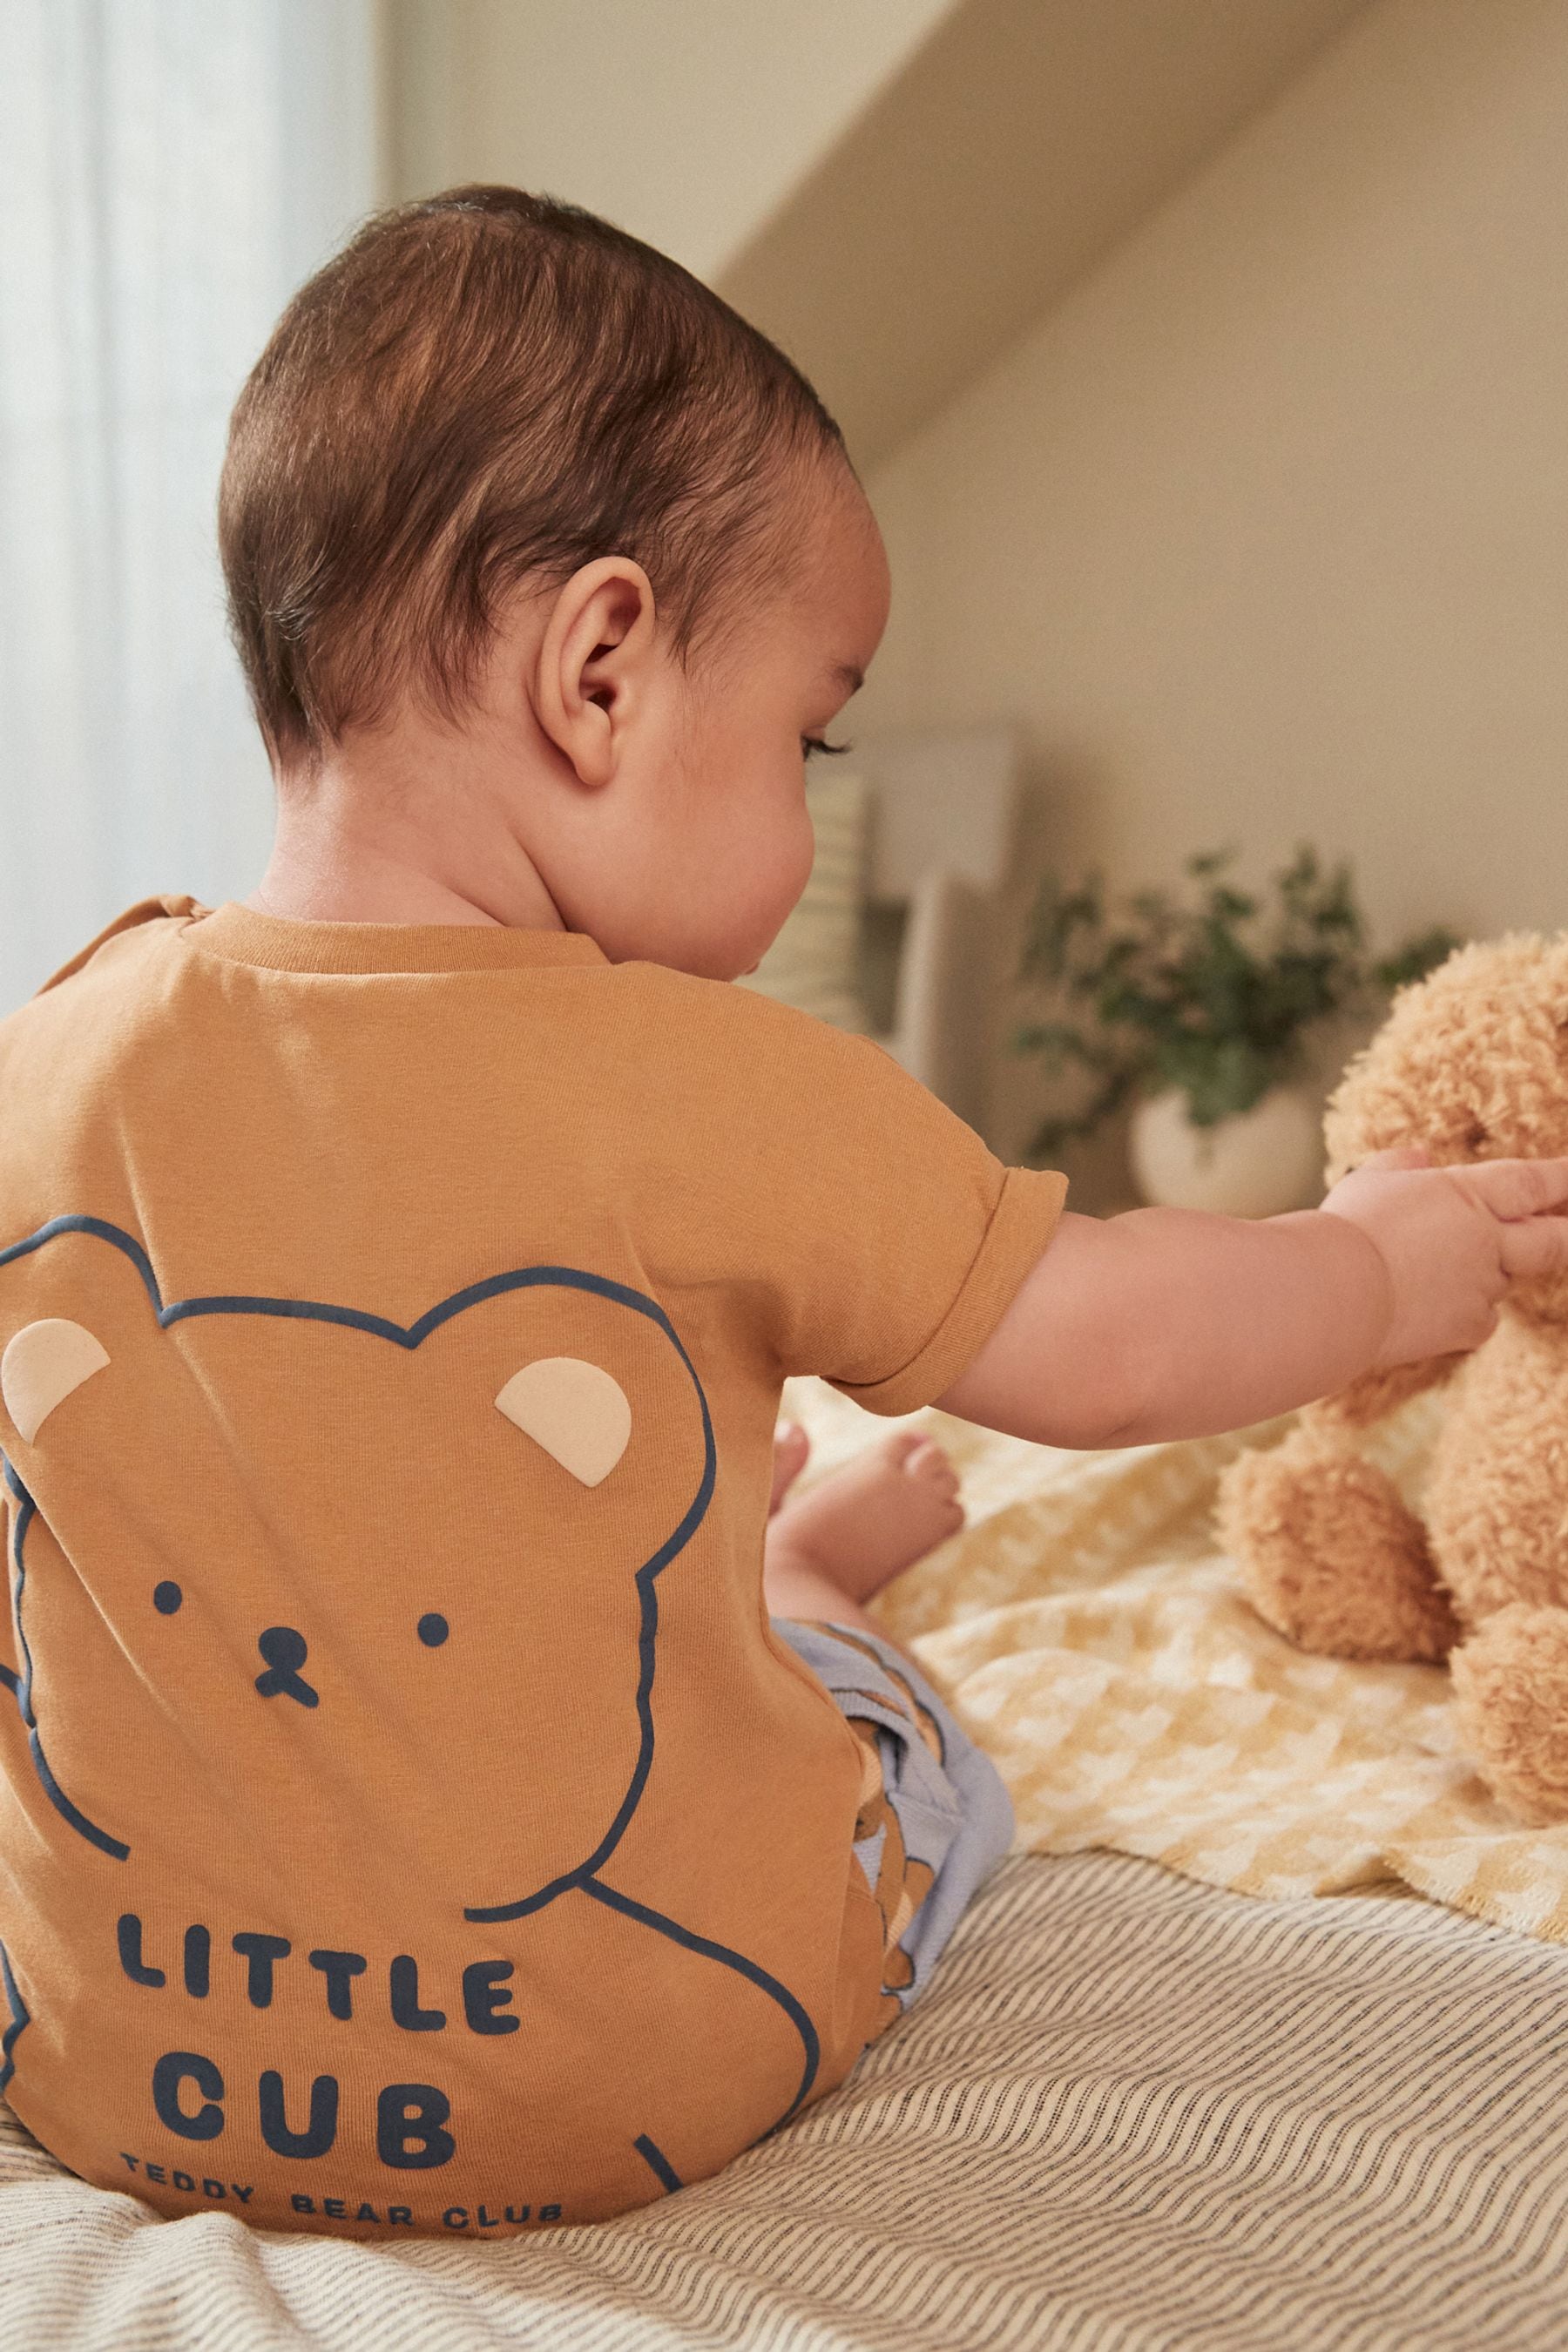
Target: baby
{"points": [[422, 1809]]}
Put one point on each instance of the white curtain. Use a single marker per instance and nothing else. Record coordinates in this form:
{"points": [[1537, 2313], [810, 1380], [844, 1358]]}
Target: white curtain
{"points": [[168, 170]]}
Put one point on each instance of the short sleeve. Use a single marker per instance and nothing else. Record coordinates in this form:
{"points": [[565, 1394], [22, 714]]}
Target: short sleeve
{"points": [[885, 1240]]}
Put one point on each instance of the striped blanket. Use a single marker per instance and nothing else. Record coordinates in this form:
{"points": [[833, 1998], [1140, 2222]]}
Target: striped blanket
{"points": [[1134, 2113]]}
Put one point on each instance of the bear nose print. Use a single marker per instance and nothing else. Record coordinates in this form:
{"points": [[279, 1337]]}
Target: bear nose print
{"points": [[285, 1652]]}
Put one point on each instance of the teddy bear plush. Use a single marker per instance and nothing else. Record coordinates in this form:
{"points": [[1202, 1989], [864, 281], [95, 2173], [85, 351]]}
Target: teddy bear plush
{"points": [[1471, 1065]]}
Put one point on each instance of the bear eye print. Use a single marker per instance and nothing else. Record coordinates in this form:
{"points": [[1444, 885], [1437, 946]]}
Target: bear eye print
{"points": [[432, 1629], [166, 1597], [577, 1412]]}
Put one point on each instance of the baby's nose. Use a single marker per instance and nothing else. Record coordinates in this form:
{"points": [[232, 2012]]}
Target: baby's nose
{"points": [[285, 1652]]}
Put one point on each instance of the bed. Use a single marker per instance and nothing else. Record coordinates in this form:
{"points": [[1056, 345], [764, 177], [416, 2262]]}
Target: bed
{"points": [[1136, 2109]]}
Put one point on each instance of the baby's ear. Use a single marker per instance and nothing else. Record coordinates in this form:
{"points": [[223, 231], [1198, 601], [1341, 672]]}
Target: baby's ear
{"points": [[578, 1413], [42, 1366]]}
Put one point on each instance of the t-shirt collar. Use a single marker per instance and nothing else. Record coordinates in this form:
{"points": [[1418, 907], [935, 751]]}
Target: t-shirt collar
{"points": [[244, 935]]}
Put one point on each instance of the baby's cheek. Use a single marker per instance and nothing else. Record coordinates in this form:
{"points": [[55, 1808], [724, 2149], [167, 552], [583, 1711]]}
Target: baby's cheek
{"points": [[765, 880]]}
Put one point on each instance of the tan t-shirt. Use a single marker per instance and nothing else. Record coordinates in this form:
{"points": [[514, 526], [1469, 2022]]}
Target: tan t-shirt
{"points": [[408, 1819]]}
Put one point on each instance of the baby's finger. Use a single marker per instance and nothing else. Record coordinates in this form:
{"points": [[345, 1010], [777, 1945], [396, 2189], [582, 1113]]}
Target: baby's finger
{"points": [[1399, 1155], [1517, 1188], [1532, 1247]]}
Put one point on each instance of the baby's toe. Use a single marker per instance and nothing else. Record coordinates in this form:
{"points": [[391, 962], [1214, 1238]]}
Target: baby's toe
{"points": [[927, 1461], [946, 1516]]}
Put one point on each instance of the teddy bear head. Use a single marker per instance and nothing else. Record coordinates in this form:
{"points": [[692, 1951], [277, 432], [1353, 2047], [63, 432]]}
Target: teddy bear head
{"points": [[1471, 1065]]}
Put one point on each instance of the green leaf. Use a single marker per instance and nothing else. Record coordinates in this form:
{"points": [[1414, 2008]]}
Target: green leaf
{"points": [[1416, 959], [1211, 988]]}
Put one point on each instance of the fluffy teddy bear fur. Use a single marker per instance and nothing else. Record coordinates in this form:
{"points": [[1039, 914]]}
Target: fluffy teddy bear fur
{"points": [[1472, 1063]]}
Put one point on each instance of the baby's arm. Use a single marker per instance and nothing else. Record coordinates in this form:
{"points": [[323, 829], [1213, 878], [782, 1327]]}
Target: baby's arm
{"points": [[1170, 1323]]}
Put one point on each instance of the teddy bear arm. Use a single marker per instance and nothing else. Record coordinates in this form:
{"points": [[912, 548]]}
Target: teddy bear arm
{"points": [[1329, 1554]]}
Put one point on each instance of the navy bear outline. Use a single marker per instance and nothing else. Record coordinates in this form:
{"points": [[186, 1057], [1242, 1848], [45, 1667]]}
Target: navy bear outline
{"points": [[584, 1877]]}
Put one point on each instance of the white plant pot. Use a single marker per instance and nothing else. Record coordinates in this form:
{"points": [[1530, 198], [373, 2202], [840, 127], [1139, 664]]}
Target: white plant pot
{"points": [[1258, 1164]]}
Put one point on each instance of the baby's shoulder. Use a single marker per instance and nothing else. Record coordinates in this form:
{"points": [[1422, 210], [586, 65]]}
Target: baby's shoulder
{"points": [[145, 925], [100, 994], [760, 1042]]}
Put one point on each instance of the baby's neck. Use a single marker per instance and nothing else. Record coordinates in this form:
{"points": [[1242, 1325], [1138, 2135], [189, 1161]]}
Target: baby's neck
{"points": [[343, 852]]}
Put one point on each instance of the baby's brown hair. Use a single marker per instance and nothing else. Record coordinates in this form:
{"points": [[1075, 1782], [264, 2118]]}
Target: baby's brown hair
{"points": [[487, 389]]}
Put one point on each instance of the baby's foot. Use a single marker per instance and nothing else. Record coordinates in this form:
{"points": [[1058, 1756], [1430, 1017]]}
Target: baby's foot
{"points": [[873, 1518], [791, 1447]]}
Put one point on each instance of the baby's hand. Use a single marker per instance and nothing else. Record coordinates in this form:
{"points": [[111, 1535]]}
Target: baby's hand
{"points": [[1452, 1240]]}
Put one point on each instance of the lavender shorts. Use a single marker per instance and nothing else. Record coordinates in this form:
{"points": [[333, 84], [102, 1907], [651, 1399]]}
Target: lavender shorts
{"points": [[952, 1809]]}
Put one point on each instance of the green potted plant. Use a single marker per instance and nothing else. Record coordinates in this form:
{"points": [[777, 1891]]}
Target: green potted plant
{"points": [[1197, 1008]]}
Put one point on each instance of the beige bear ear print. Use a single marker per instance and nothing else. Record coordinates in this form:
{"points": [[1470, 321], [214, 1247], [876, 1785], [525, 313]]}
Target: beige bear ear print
{"points": [[576, 1411], [42, 1366]]}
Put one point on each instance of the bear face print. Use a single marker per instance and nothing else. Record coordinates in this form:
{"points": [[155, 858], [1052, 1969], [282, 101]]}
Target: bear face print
{"points": [[363, 1570]]}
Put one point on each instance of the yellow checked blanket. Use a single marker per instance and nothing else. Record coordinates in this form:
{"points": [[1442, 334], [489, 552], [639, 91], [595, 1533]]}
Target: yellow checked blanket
{"points": [[1095, 1643]]}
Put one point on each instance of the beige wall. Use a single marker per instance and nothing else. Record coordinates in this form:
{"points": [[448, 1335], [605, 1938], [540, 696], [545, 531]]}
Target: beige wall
{"points": [[685, 121], [1015, 149], [1263, 532]]}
